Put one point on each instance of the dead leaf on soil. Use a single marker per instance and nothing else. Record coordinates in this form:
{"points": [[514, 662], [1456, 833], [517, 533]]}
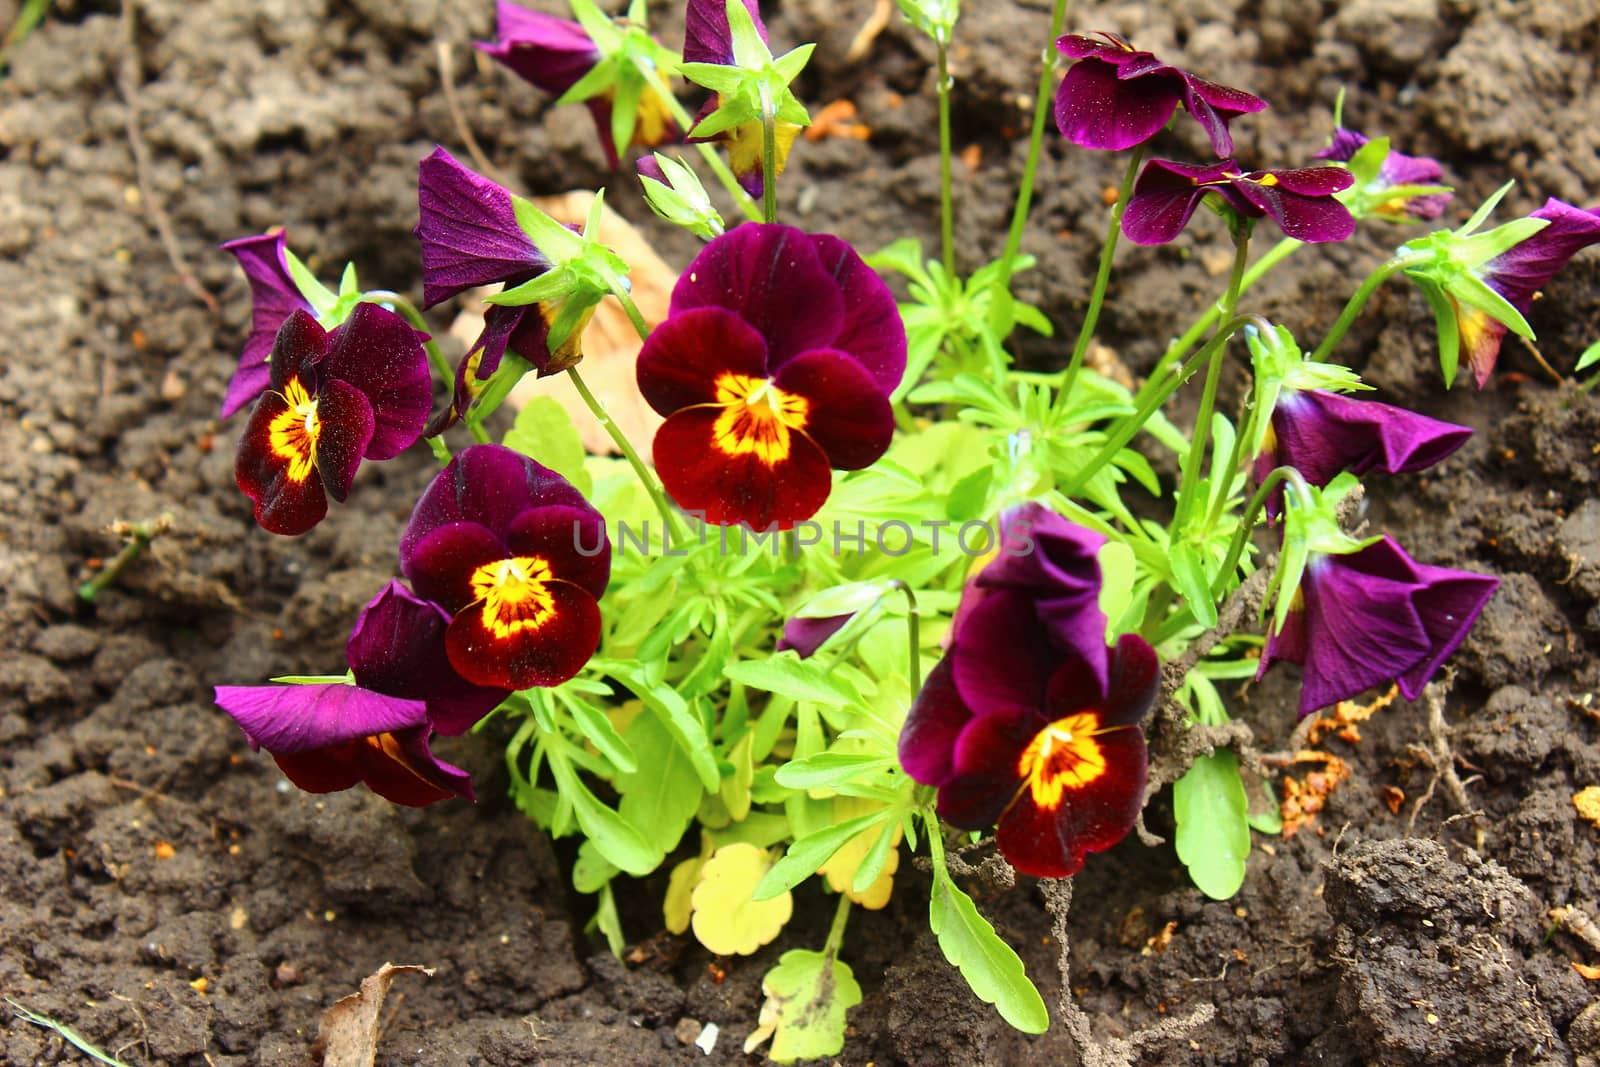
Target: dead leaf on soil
{"points": [[1304, 797], [610, 344], [348, 1035], [1587, 801], [1346, 717], [1588, 972]]}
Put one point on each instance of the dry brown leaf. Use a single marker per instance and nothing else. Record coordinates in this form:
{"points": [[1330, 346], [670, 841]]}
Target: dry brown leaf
{"points": [[1587, 801], [348, 1035], [610, 344], [1304, 798], [1346, 715], [1584, 969]]}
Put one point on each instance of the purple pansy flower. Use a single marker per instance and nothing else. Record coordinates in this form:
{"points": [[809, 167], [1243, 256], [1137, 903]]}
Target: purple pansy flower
{"points": [[327, 738], [518, 559], [1518, 274], [553, 54], [359, 391], [1300, 201], [1320, 434], [1366, 617], [1397, 169], [1116, 97], [468, 229], [273, 296]]}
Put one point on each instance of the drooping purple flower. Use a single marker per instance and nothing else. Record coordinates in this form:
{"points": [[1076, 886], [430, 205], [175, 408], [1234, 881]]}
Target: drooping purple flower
{"points": [[1116, 97], [327, 738], [553, 54], [273, 296], [1518, 274], [518, 559], [1397, 169], [706, 35], [468, 228], [1320, 434], [1371, 616], [708, 38], [359, 391], [1300, 201], [805, 636]]}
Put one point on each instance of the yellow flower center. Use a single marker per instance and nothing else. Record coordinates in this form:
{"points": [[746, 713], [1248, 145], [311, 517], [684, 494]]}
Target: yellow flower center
{"points": [[513, 594], [756, 418], [1062, 756], [292, 434]]}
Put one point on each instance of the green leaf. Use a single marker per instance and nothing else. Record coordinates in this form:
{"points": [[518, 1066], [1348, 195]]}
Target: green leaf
{"points": [[1591, 355], [612, 836], [609, 923], [788, 675], [1213, 838], [685, 726], [735, 790], [662, 795], [829, 769], [1118, 569], [1189, 576], [846, 599], [597, 729], [809, 993], [545, 433], [990, 966], [591, 871], [812, 851]]}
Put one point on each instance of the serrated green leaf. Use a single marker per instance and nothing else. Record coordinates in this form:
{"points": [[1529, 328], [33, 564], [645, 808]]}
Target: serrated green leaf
{"points": [[992, 969], [809, 992], [1213, 837]]}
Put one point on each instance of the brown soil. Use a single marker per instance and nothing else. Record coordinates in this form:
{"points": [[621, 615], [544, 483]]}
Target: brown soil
{"points": [[144, 848]]}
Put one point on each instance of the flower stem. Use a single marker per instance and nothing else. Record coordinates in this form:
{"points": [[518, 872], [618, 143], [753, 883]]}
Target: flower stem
{"points": [[1102, 278], [841, 915], [913, 635], [1030, 169], [1358, 300], [947, 211], [769, 156], [651, 485], [1190, 477], [625, 298], [139, 535], [685, 121]]}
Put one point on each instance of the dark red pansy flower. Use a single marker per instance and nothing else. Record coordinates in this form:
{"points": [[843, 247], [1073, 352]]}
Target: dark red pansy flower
{"points": [[773, 368], [1372, 616], [1300, 201], [518, 558], [359, 391], [330, 737], [1116, 97], [273, 296], [1320, 434], [1060, 769]]}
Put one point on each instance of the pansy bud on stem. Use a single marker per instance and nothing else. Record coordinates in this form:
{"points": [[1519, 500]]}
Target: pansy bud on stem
{"points": [[674, 192], [936, 18]]}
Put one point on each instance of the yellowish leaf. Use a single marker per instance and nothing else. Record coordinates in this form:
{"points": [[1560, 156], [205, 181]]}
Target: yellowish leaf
{"points": [[841, 867], [727, 920]]}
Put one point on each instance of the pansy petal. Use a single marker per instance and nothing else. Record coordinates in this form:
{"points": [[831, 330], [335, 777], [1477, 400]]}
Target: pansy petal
{"points": [[1094, 108], [1074, 686], [1301, 202], [683, 357], [804, 636], [548, 52], [984, 777], [846, 415], [542, 642], [571, 540], [1055, 822], [1135, 681], [873, 332], [1321, 434], [402, 769], [1164, 199], [324, 770], [468, 227], [738, 487], [276, 468], [299, 718], [1481, 337], [1003, 658], [487, 484], [440, 564], [346, 429], [937, 717], [1448, 605], [397, 647], [771, 276], [273, 296], [706, 36], [299, 346], [1212, 105], [1526, 267], [379, 353]]}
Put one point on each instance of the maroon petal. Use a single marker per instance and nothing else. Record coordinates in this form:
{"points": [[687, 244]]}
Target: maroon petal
{"points": [[1096, 109], [550, 53], [276, 466], [1212, 105], [771, 276], [1083, 792], [1003, 658], [1164, 199], [1108, 47], [539, 637], [273, 297], [440, 564], [380, 354], [873, 332], [804, 636], [846, 414], [571, 540], [468, 227], [397, 647], [773, 484], [684, 357], [299, 718], [1301, 201], [937, 717], [984, 778], [706, 36], [1321, 434], [1135, 682], [402, 769], [347, 425], [487, 484], [298, 348]]}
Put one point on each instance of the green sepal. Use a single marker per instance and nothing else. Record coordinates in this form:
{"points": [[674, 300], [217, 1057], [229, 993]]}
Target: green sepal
{"points": [[1448, 328], [750, 52], [319, 296], [347, 678], [1471, 290]]}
